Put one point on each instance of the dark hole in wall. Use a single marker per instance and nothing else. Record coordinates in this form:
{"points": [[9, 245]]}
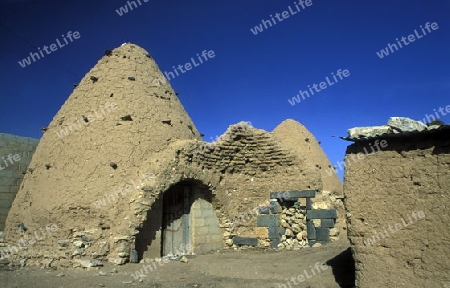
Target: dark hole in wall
{"points": [[343, 266]]}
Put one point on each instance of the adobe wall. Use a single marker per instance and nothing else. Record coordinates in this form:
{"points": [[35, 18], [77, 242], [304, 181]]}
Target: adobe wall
{"points": [[240, 169], [117, 117], [397, 201], [11, 174], [118, 143]]}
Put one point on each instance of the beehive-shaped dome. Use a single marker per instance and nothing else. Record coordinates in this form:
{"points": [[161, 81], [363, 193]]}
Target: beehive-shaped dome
{"points": [[296, 136], [121, 112]]}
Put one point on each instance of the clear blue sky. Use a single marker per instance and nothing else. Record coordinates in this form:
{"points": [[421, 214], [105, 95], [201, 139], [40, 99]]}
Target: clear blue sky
{"points": [[252, 76]]}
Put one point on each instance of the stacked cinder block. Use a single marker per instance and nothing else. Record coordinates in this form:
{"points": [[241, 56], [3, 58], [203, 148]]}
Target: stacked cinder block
{"points": [[268, 228], [292, 222], [272, 222], [319, 223], [15, 156], [293, 215]]}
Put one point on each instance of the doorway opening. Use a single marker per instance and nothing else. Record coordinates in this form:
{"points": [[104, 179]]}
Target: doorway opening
{"points": [[181, 221], [176, 234]]}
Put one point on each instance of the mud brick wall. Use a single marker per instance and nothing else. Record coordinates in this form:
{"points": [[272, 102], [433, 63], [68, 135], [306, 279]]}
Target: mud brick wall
{"points": [[144, 129], [11, 174], [389, 191]]}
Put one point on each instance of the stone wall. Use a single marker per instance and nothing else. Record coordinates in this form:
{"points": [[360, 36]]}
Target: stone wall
{"points": [[12, 170], [397, 201]]}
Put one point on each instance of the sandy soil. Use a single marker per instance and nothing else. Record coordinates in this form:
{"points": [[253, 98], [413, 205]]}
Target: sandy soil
{"points": [[238, 268]]}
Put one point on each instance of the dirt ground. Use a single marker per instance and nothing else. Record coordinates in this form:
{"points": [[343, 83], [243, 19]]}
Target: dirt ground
{"points": [[235, 268]]}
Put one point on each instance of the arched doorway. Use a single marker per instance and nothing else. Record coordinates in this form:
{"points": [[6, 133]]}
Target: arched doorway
{"points": [[183, 216]]}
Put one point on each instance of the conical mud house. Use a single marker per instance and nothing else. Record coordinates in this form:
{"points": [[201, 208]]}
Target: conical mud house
{"points": [[122, 174]]}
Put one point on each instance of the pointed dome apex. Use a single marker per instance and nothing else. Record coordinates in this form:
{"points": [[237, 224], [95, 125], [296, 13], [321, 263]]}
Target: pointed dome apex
{"points": [[294, 135], [289, 124]]}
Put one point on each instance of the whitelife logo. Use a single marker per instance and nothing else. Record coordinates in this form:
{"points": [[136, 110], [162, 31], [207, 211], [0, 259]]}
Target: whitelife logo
{"points": [[11, 158], [379, 145], [53, 47], [83, 120], [188, 66], [397, 227], [319, 267], [430, 118], [411, 38], [285, 14], [124, 9], [24, 243], [323, 85]]}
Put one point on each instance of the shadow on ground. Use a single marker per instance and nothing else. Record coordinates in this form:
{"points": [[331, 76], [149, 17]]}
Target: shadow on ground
{"points": [[343, 266]]}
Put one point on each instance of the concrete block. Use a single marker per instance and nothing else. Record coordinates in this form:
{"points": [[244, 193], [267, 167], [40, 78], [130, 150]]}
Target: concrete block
{"points": [[276, 232], [199, 222], [311, 230], [6, 173], [275, 207], [323, 234], [211, 221], [13, 145], [218, 245], [24, 161], [327, 223], [4, 211], [321, 214], [5, 204], [207, 213], [196, 213], [2, 222], [268, 220], [202, 231], [293, 195], [7, 197], [205, 204], [200, 239], [216, 238], [245, 241], [4, 151], [204, 248], [274, 243], [215, 229], [264, 210], [8, 137], [26, 155], [308, 204], [32, 142], [8, 181], [17, 175]]}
